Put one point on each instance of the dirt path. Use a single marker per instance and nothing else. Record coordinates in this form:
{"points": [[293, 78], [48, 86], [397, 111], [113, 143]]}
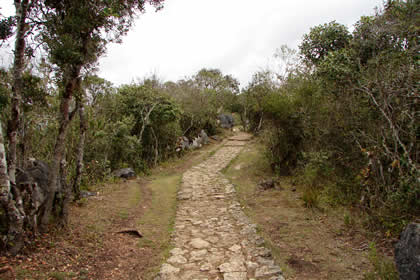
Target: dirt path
{"points": [[213, 238]]}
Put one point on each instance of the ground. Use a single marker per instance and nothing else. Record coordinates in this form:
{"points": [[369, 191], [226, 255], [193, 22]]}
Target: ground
{"points": [[306, 243]]}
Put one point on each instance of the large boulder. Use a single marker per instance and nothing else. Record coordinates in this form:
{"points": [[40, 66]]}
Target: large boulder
{"points": [[226, 121], [34, 187], [407, 253], [125, 173]]}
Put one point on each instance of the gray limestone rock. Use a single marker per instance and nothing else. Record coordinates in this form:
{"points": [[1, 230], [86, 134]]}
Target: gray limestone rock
{"points": [[226, 121], [125, 173], [407, 253], [204, 137]]}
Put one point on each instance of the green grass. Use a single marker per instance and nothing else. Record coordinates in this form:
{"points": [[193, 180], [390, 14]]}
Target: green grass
{"points": [[383, 268], [157, 223]]}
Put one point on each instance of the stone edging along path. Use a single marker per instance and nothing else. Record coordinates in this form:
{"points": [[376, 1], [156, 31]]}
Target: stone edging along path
{"points": [[213, 238]]}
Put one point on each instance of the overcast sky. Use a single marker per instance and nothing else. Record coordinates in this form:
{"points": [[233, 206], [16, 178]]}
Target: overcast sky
{"points": [[238, 37]]}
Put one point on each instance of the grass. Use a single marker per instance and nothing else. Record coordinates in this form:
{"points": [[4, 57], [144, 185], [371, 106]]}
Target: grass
{"points": [[303, 239], [383, 268], [157, 222]]}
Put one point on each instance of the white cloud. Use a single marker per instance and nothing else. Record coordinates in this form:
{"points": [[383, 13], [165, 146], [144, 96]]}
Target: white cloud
{"points": [[237, 36]]}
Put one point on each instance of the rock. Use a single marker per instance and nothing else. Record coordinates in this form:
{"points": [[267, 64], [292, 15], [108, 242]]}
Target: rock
{"points": [[176, 252], [226, 121], [87, 194], [265, 271], [205, 267], [196, 143], [126, 173], [199, 243], [168, 269], [216, 138], [177, 259], [182, 144], [232, 267], [267, 184], [33, 183], [235, 276], [235, 248], [198, 255], [407, 253], [204, 137]]}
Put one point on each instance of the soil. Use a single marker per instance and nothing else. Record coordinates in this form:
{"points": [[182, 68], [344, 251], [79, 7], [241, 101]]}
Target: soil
{"points": [[305, 243], [91, 247]]}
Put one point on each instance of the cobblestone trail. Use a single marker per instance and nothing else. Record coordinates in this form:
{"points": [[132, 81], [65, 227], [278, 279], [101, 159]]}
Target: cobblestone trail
{"points": [[213, 238]]}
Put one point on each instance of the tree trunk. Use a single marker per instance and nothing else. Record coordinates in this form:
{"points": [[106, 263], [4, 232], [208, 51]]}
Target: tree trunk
{"points": [[80, 151], [14, 238], [155, 162], [146, 121], [22, 9], [72, 84], [260, 123], [66, 192]]}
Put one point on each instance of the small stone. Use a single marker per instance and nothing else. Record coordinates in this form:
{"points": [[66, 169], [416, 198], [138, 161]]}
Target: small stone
{"points": [[213, 239], [176, 251], [265, 261], [279, 277], [264, 252], [235, 276], [205, 267], [232, 267], [267, 271], [198, 255], [178, 259], [196, 223], [251, 265], [235, 248], [199, 243], [168, 269]]}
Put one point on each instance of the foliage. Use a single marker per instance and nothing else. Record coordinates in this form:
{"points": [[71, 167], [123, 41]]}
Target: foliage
{"points": [[382, 268], [346, 117], [322, 40]]}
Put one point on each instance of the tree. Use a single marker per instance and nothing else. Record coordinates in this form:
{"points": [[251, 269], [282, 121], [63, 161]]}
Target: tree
{"points": [[259, 88], [11, 199], [76, 34], [323, 39], [220, 89]]}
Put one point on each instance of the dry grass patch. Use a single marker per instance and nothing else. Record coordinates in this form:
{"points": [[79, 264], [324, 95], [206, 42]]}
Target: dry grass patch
{"points": [[307, 243]]}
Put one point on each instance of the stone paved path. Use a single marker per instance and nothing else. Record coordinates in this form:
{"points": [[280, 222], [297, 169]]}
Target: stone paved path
{"points": [[213, 238]]}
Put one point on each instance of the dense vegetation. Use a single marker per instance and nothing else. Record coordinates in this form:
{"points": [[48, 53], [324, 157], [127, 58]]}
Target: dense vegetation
{"points": [[342, 116]]}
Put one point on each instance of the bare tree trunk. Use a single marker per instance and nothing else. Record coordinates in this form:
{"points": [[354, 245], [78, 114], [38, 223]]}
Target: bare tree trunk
{"points": [[14, 238], [156, 148], [80, 151], [146, 121], [260, 123], [22, 9], [66, 191], [72, 84], [12, 202]]}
